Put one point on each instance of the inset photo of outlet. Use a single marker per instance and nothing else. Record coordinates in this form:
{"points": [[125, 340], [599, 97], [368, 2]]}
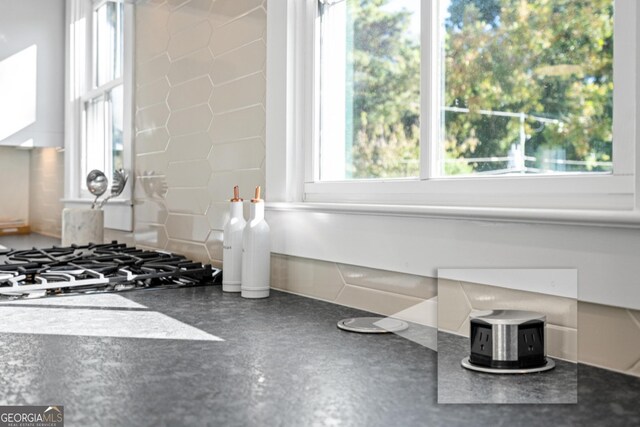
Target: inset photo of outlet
{"points": [[500, 342]]}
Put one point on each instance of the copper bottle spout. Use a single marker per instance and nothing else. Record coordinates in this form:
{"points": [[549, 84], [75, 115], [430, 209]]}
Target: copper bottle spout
{"points": [[256, 199], [236, 194]]}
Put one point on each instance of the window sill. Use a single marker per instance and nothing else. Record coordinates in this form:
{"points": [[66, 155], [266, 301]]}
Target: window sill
{"points": [[88, 202], [419, 240], [597, 218]]}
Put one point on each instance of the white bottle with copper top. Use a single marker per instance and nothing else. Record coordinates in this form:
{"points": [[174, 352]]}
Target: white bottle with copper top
{"points": [[232, 245], [256, 252]]}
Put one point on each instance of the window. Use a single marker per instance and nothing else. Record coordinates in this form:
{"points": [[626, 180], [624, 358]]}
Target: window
{"points": [[505, 103], [102, 144], [528, 87], [99, 100], [369, 89], [423, 220]]}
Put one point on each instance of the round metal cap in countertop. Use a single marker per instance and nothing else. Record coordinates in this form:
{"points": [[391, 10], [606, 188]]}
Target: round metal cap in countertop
{"points": [[372, 325], [550, 364], [507, 317]]}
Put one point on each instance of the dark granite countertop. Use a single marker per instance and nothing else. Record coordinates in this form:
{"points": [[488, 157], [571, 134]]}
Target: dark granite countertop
{"points": [[282, 362], [459, 385]]}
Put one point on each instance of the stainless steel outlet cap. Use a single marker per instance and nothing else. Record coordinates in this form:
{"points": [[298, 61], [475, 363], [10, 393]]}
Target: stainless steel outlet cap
{"points": [[372, 325], [506, 317]]}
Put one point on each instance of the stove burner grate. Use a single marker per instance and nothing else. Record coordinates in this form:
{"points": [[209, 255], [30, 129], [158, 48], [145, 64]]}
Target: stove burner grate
{"points": [[96, 268]]}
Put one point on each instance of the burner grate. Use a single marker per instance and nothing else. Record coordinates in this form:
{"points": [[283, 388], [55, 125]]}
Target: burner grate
{"points": [[96, 268]]}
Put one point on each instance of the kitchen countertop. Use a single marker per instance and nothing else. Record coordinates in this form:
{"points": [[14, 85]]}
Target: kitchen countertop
{"points": [[283, 362], [459, 385], [28, 241]]}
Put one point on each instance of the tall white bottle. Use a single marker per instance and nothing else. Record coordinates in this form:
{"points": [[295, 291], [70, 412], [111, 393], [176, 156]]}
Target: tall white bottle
{"points": [[232, 245], [256, 252]]}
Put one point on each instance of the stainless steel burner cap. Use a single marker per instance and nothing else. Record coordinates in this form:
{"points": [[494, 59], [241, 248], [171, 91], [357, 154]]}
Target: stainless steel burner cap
{"points": [[372, 325]]}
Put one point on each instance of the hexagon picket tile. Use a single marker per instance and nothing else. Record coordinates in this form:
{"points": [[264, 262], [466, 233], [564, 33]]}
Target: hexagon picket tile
{"points": [[152, 163], [151, 46], [189, 40], [194, 251], [305, 276], [635, 315], [193, 228], [193, 92], [151, 141], [153, 235], [238, 63], [156, 3], [224, 11], [188, 174], [559, 310], [612, 349], [389, 281], [195, 146], [562, 342], [239, 93], [187, 200], [153, 93], [221, 183], [191, 66], [190, 120], [152, 70], [188, 15], [150, 184], [376, 301], [453, 307], [243, 154], [152, 37], [214, 244], [240, 124], [139, 191], [174, 4], [152, 117], [218, 214], [151, 211], [240, 32]]}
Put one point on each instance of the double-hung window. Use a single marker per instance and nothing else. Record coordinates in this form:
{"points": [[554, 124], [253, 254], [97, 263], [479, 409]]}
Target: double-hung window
{"points": [[479, 103], [103, 115], [99, 104]]}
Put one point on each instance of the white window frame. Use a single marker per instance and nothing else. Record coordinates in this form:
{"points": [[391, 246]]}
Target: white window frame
{"points": [[81, 82], [602, 244], [292, 143]]}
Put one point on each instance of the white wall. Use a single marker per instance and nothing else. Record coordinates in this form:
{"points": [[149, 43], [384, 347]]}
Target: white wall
{"points": [[14, 184], [46, 190], [32, 72], [606, 257]]}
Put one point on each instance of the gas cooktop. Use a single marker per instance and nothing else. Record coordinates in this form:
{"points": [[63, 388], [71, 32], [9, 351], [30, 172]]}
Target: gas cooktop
{"points": [[92, 268]]}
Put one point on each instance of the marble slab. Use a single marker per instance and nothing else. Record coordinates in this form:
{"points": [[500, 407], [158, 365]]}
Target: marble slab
{"points": [[82, 226]]}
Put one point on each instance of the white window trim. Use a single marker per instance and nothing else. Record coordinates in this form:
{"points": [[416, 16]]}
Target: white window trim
{"points": [[119, 211], [602, 244], [292, 130]]}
